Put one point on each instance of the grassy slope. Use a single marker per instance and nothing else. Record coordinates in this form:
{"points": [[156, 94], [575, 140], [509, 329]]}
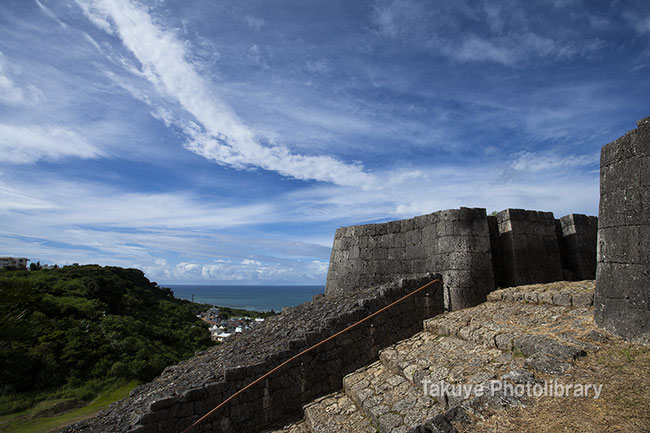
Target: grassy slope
{"points": [[17, 423], [623, 368]]}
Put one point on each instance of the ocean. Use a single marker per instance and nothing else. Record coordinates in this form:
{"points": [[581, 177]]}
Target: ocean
{"points": [[254, 298]]}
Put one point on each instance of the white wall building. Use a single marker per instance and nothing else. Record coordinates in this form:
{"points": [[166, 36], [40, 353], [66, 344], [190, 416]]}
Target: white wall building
{"points": [[18, 262]]}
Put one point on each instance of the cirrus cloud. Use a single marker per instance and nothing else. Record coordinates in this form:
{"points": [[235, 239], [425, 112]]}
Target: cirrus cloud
{"points": [[216, 132]]}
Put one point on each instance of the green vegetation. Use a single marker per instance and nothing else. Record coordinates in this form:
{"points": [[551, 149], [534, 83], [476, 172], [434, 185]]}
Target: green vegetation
{"points": [[517, 353], [68, 333], [227, 313], [35, 420]]}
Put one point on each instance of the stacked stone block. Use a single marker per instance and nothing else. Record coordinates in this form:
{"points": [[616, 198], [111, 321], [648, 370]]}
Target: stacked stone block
{"points": [[622, 302], [578, 240], [463, 255], [454, 242], [528, 248], [498, 266]]}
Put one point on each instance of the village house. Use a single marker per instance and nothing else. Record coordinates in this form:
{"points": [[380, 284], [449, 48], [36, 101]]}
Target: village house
{"points": [[14, 262]]}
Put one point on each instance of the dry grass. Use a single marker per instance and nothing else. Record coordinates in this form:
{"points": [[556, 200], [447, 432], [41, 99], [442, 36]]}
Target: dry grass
{"points": [[624, 405]]}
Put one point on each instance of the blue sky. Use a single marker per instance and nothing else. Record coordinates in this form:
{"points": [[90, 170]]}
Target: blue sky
{"points": [[225, 141]]}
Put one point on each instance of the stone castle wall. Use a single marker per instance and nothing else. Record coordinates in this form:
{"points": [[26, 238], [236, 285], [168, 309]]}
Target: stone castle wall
{"points": [[185, 392], [453, 242], [622, 300], [578, 241], [528, 248], [474, 252]]}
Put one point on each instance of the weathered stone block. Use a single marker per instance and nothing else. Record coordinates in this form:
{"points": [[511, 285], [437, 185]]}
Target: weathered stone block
{"points": [[633, 323], [625, 244], [182, 410], [528, 248], [448, 215], [421, 221], [577, 235], [617, 280], [407, 225], [623, 275]]}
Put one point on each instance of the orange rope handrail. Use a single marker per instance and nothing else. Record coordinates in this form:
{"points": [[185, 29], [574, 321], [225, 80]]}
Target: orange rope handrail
{"points": [[204, 417]]}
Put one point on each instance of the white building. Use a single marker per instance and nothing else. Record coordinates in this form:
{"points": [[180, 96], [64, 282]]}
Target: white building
{"points": [[17, 262], [222, 336]]}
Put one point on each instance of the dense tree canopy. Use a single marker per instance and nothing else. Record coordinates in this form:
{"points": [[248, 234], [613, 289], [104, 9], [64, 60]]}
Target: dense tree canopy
{"points": [[80, 323]]}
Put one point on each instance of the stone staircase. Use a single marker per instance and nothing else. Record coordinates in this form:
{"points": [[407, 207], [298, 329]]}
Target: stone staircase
{"points": [[521, 335]]}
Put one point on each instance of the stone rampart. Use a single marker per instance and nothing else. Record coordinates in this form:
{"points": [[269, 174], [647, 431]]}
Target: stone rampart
{"points": [[453, 242], [528, 250], [578, 242], [185, 392], [474, 252], [622, 300]]}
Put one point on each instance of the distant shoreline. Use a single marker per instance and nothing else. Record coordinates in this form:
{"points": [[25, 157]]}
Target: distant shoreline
{"points": [[247, 297]]}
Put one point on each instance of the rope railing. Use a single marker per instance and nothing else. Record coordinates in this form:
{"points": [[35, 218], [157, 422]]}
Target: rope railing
{"points": [[309, 349]]}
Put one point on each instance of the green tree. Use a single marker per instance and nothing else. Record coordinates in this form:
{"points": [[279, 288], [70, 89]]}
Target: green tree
{"points": [[68, 327]]}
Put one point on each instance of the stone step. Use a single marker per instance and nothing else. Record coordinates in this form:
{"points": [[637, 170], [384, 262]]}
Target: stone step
{"points": [[519, 332], [549, 336], [431, 362], [335, 413], [299, 427], [391, 402], [564, 293]]}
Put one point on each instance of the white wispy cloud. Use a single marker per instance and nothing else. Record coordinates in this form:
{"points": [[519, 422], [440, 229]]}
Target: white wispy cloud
{"points": [[217, 133], [28, 144], [92, 41], [394, 18], [441, 31], [513, 49], [554, 181], [10, 92], [65, 222], [255, 23], [70, 203], [200, 268], [551, 160], [50, 14], [639, 22], [475, 49], [320, 66]]}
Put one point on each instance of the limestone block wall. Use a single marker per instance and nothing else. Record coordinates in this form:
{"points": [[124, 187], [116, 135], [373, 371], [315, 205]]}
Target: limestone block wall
{"points": [[185, 392], [498, 262], [454, 242], [527, 248], [622, 300], [578, 240], [464, 257]]}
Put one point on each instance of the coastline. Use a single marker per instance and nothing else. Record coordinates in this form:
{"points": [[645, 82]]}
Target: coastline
{"points": [[250, 297]]}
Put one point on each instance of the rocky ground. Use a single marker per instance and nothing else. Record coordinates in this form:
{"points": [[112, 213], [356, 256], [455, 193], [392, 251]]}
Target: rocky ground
{"points": [[531, 335]]}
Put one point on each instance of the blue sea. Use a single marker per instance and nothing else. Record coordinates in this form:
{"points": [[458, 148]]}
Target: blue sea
{"points": [[255, 298]]}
